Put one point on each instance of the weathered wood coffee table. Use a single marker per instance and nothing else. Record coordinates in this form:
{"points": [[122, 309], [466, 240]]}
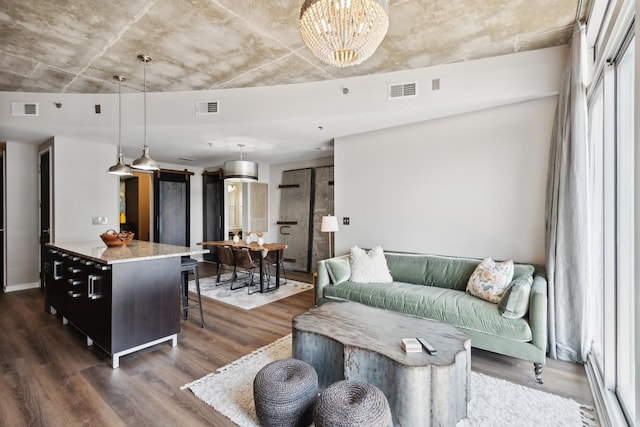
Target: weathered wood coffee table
{"points": [[352, 341]]}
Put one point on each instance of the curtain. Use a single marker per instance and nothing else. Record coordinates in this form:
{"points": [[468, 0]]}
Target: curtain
{"points": [[567, 213]]}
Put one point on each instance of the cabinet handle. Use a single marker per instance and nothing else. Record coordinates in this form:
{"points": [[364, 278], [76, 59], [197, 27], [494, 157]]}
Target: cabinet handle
{"points": [[56, 275], [74, 270], [74, 282], [92, 287], [74, 294]]}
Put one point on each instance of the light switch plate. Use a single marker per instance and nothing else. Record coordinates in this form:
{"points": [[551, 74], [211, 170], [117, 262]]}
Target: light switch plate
{"points": [[99, 220]]}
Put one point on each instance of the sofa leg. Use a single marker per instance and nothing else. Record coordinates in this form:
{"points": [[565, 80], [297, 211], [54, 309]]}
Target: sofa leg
{"points": [[537, 368]]}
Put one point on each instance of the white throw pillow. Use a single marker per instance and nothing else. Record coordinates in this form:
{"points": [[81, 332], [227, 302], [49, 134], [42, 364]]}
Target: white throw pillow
{"points": [[490, 280], [369, 267]]}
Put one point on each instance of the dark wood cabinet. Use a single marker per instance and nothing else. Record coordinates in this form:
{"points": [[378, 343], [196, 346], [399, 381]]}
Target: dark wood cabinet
{"points": [[121, 307]]}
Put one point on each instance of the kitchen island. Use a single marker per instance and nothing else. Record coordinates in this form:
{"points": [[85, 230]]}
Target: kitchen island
{"points": [[123, 298]]}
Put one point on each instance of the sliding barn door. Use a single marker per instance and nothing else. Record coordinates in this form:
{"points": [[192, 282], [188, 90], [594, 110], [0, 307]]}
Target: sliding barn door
{"points": [[296, 217], [213, 215], [171, 203]]}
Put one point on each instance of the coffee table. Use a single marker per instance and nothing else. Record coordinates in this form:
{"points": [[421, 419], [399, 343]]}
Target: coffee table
{"points": [[348, 340]]}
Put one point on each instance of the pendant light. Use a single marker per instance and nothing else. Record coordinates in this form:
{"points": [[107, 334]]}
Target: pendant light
{"points": [[120, 168], [145, 162], [343, 33], [241, 170]]}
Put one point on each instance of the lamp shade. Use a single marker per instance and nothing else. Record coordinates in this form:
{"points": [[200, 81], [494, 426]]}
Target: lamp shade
{"points": [[241, 170], [329, 224]]}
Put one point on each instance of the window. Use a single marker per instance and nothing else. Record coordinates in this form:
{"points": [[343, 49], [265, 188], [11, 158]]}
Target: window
{"points": [[625, 331]]}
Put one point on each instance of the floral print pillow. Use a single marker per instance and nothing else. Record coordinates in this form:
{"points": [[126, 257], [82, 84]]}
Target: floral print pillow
{"points": [[490, 279]]}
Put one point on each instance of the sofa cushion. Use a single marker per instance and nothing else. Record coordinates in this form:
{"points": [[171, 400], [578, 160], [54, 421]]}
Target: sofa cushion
{"points": [[515, 301], [445, 305], [407, 267], [490, 279], [450, 272], [369, 267], [523, 270], [339, 270]]}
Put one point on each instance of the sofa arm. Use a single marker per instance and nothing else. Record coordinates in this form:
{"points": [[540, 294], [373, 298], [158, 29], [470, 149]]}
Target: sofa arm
{"points": [[538, 312], [321, 280]]}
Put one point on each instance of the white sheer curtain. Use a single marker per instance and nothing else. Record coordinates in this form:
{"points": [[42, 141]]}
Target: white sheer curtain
{"points": [[567, 213]]}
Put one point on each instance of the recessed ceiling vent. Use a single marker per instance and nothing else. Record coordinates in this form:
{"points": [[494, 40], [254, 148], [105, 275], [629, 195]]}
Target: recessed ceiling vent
{"points": [[204, 108], [24, 109], [403, 90]]}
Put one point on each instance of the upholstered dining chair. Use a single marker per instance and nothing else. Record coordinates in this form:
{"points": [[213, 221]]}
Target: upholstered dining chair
{"points": [[225, 257], [244, 261]]}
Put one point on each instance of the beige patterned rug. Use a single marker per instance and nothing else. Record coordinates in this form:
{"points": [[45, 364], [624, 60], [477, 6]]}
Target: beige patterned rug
{"points": [[494, 402], [240, 297]]}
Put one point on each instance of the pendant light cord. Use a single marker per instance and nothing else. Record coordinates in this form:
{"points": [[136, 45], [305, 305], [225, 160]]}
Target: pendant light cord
{"points": [[145, 103], [119, 117]]}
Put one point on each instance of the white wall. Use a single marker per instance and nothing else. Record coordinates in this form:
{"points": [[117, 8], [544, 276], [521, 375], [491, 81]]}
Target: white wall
{"points": [[467, 185], [22, 229], [83, 189]]}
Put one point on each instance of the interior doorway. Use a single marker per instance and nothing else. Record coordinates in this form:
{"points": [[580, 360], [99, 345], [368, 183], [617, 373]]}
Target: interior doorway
{"points": [[214, 212], [2, 208], [135, 205], [45, 206]]}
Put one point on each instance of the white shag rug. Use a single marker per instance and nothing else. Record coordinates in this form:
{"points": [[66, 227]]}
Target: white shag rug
{"points": [[240, 297], [494, 402]]}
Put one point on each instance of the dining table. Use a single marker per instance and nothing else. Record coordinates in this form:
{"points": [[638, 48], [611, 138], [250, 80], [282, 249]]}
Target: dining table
{"points": [[255, 247]]}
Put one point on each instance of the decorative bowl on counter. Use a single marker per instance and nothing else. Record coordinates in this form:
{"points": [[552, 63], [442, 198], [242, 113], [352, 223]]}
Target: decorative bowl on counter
{"points": [[112, 238]]}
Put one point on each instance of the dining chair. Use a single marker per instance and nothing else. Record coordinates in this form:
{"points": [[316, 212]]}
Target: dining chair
{"points": [[272, 259], [226, 257], [244, 261]]}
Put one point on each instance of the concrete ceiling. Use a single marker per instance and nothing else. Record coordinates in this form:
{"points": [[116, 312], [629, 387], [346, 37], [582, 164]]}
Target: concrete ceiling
{"points": [[76, 46]]}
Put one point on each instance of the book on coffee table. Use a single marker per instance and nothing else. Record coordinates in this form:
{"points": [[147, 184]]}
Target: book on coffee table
{"points": [[411, 345]]}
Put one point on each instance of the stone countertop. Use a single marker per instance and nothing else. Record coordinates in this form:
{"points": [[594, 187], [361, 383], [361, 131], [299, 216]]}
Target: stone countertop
{"points": [[136, 250]]}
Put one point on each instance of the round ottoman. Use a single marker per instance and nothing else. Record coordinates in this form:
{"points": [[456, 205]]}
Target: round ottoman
{"points": [[284, 392], [352, 404]]}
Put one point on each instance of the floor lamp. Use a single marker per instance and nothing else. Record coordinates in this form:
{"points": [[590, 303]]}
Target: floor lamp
{"points": [[329, 225]]}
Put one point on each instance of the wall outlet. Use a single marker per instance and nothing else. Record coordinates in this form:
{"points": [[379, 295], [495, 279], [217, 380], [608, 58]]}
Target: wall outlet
{"points": [[99, 220], [345, 220]]}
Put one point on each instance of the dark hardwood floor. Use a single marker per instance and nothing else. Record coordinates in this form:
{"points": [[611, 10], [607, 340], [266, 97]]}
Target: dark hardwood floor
{"points": [[48, 377]]}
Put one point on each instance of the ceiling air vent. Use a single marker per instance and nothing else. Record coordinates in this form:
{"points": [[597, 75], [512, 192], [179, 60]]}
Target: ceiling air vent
{"points": [[403, 90], [24, 109], [206, 107]]}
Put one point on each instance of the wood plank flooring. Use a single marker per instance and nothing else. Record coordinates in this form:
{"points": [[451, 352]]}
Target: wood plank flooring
{"points": [[48, 377]]}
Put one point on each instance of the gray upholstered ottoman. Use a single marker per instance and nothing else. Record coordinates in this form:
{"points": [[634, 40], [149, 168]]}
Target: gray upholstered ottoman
{"points": [[352, 404], [284, 392]]}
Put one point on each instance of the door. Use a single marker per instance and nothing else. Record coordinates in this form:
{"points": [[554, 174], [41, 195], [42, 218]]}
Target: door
{"points": [[296, 217], [171, 207], [213, 206], [45, 208], [2, 244]]}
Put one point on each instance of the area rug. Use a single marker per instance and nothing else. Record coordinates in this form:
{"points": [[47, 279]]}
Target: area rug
{"points": [[493, 403], [240, 297]]}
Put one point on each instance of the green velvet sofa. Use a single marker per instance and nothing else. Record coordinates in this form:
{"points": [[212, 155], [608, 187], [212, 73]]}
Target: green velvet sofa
{"points": [[433, 287]]}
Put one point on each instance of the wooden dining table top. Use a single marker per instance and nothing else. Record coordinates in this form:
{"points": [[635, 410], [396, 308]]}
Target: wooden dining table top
{"points": [[253, 246]]}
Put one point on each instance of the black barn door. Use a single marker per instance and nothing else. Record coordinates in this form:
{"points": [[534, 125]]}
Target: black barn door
{"points": [[213, 205], [45, 208], [171, 207]]}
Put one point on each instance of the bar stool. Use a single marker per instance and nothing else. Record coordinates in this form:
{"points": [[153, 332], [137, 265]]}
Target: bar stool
{"points": [[190, 265]]}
